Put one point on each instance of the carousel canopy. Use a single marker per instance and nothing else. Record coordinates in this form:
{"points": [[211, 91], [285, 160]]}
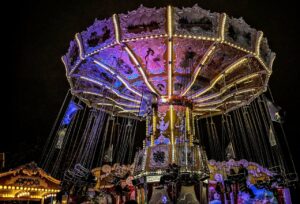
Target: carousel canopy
{"points": [[213, 61]]}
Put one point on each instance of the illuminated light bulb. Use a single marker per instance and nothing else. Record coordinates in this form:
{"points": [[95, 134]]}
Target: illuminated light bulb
{"points": [[164, 100]]}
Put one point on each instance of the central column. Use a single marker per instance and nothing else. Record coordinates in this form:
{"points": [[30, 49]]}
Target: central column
{"points": [[170, 123], [169, 144]]}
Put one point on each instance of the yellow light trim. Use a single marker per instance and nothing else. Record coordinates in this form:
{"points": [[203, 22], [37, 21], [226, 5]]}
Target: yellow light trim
{"points": [[116, 26], [100, 49], [108, 104], [225, 88], [147, 127], [208, 109], [238, 47], [208, 104], [109, 98], [170, 69], [35, 196], [118, 77], [235, 101], [170, 51], [195, 114], [250, 76], [237, 93], [222, 31], [245, 91], [257, 45], [229, 69], [263, 64], [154, 127], [8, 196], [172, 123], [81, 54], [198, 69], [213, 47], [235, 65], [170, 25], [109, 88], [187, 120], [140, 69], [225, 98]]}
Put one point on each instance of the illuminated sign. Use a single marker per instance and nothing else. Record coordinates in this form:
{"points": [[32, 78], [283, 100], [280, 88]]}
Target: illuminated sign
{"points": [[151, 179]]}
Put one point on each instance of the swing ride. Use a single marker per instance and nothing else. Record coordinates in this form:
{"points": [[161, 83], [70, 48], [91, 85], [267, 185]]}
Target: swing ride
{"points": [[196, 80]]}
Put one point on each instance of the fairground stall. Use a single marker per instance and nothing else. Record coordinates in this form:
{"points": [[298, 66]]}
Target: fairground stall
{"points": [[28, 183]]}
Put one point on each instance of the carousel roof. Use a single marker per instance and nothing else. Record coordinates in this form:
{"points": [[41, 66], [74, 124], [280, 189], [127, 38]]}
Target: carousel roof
{"points": [[216, 62], [27, 182]]}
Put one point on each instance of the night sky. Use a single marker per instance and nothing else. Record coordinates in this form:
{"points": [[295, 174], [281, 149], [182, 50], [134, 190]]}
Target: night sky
{"points": [[38, 33]]}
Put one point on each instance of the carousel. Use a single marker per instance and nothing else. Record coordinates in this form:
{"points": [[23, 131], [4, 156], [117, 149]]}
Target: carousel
{"points": [[197, 81]]}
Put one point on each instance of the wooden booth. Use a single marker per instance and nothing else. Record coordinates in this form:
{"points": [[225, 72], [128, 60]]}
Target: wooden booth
{"points": [[28, 183]]}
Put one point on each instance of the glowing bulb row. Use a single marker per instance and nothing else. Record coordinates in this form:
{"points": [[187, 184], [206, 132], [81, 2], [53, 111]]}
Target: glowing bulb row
{"points": [[144, 38], [7, 196], [227, 70], [23, 194], [49, 195], [100, 49], [197, 37], [27, 188]]}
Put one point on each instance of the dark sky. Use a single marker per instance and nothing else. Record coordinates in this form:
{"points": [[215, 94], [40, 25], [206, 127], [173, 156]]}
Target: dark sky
{"points": [[38, 33]]}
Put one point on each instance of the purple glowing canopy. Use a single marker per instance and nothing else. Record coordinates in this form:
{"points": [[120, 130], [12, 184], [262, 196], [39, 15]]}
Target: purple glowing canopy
{"points": [[217, 62]]}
